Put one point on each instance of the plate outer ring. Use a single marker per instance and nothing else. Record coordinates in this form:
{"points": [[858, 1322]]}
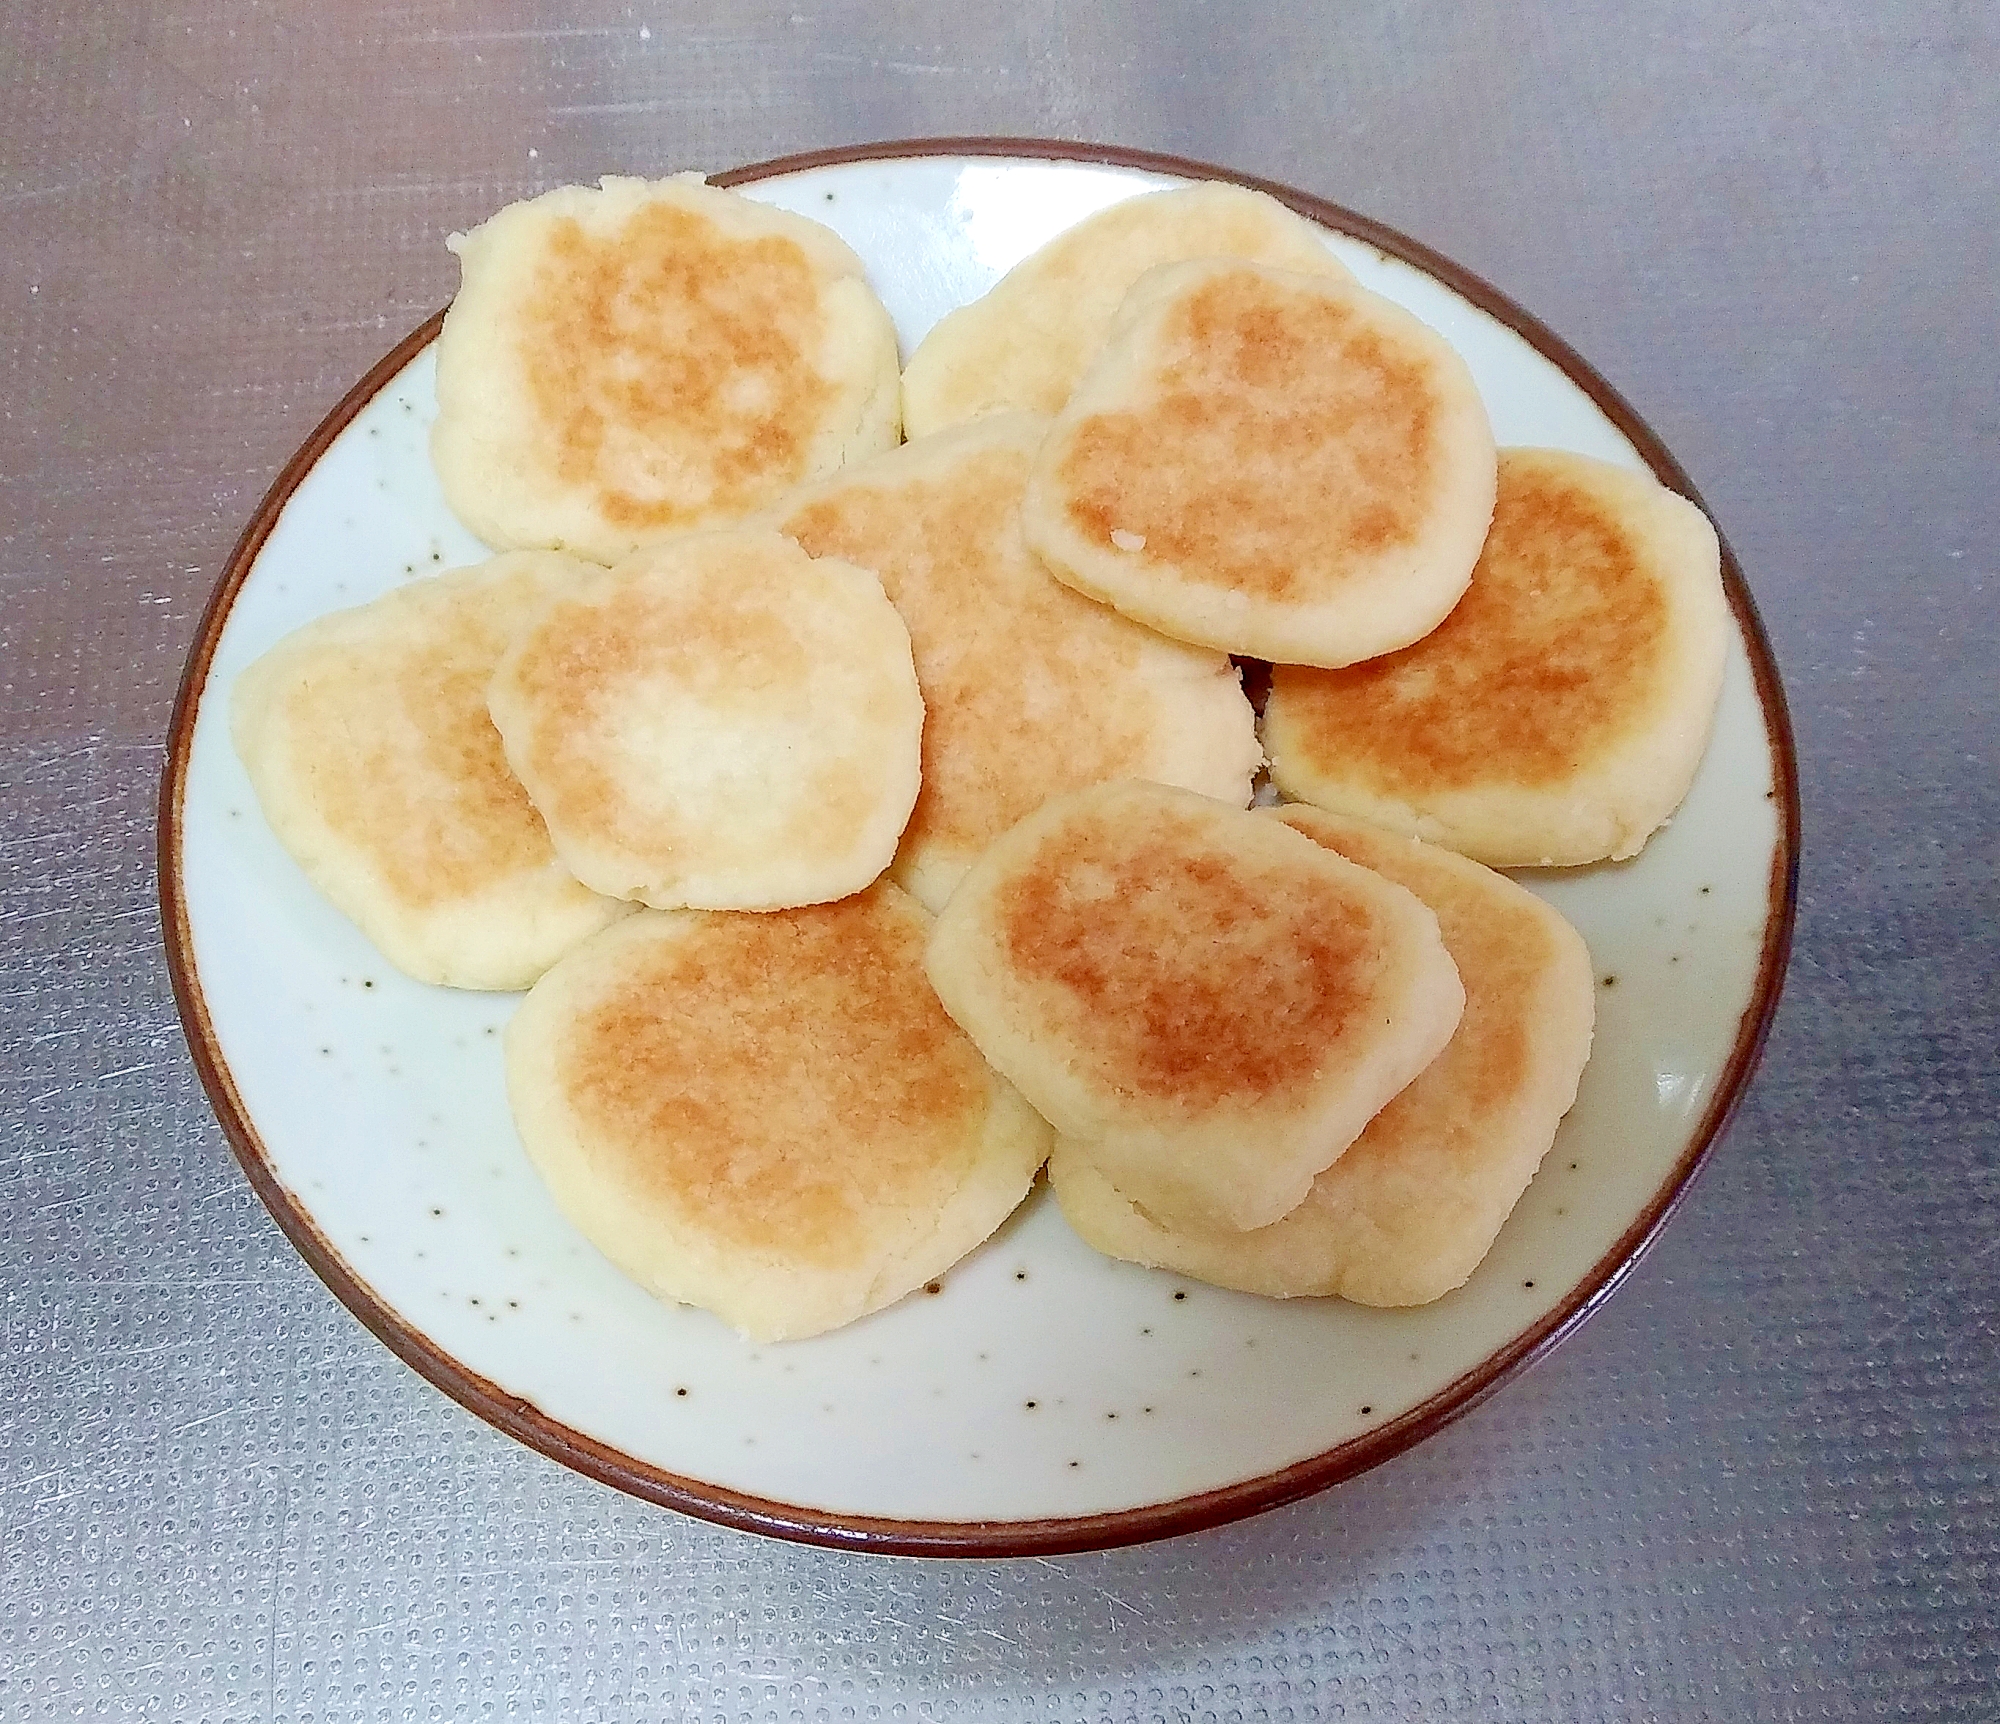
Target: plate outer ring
{"points": [[523, 1420]]}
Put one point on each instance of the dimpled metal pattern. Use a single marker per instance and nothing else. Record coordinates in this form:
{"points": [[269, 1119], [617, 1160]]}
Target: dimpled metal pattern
{"points": [[1760, 1485]]}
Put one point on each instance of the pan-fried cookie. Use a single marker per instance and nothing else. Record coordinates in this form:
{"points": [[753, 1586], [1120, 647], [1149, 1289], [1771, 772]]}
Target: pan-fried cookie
{"points": [[1413, 1206], [768, 1116], [366, 738], [1025, 343], [1268, 463], [1208, 1005], [650, 356], [721, 722], [1029, 688], [1560, 712]]}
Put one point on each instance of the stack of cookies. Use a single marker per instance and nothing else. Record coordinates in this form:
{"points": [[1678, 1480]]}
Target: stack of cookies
{"points": [[869, 820]]}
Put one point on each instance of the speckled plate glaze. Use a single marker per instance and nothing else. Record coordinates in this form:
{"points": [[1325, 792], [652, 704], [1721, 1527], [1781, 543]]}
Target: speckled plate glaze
{"points": [[1046, 1398]]}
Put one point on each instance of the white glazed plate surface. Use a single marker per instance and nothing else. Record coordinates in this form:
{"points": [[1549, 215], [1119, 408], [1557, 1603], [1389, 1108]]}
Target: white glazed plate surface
{"points": [[1043, 1384]]}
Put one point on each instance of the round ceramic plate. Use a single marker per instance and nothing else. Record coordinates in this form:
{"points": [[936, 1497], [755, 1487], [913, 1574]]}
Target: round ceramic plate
{"points": [[1046, 1398]]}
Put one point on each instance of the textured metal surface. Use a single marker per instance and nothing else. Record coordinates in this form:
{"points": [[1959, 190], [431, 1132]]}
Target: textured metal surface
{"points": [[1761, 1485]]}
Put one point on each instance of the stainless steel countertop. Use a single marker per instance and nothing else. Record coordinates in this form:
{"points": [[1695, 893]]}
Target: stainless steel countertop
{"points": [[1760, 1485]]}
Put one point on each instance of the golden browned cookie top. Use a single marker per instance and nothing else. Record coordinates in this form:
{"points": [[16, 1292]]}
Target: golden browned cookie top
{"points": [[770, 1116], [1558, 712], [1029, 688], [366, 737], [636, 359], [721, 722], [1414, 1204], [1024, 344], [1198, 996], [1270, 463]]}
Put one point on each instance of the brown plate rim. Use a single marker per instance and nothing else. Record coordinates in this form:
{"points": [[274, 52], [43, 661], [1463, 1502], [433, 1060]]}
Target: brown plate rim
{"points": [[525, 1421]]}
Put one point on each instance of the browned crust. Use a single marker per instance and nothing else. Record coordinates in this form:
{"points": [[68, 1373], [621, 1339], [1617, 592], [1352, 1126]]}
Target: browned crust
{"points": [[1294, 369], [581, 287], [1556, 652], [522, 1419]]}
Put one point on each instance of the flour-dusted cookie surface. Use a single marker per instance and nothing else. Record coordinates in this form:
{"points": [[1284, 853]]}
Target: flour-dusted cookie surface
{"points": [[1029, 688], [1025, 343], [768, 1116], [1413, 1206], [1207, 1004], [720, 722], [1559, 713], [627, 361], [366, 738], [1269, 463]]}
